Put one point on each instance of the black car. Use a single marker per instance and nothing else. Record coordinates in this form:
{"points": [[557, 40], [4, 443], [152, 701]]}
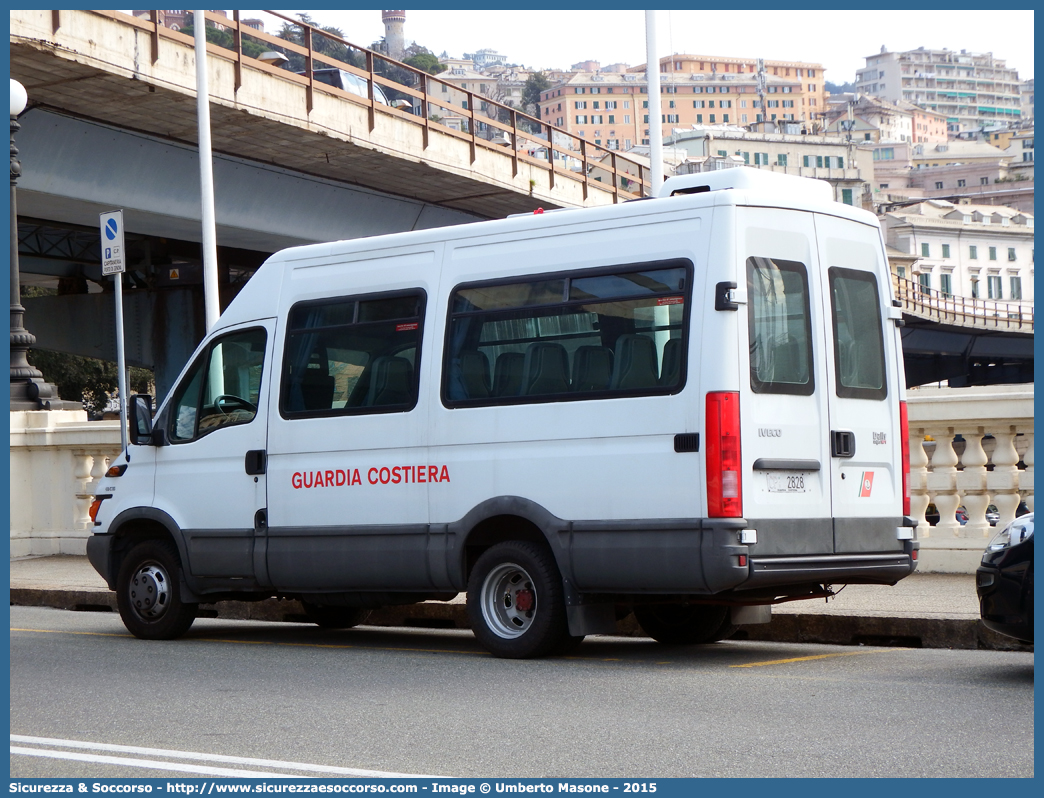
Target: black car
{"points": [[1004, 581]]}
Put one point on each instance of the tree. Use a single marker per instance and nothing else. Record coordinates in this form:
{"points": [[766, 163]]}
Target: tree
{"points": [[496, 93], [426, 62], [536, 84], [84, 379], [87, 379], [320, 44], [223, 38]]}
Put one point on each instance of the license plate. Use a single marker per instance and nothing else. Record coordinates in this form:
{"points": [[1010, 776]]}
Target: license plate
{"points": [[789, 481]]}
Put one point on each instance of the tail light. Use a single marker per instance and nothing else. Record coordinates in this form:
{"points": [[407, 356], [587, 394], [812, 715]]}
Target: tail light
{"points": [[724, 478], [904, 437]]}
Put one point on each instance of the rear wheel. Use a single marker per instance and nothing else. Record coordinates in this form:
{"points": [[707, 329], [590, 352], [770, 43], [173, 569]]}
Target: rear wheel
{"points": [[334, 617], [148, 592], [515, 602], [685, 624]]}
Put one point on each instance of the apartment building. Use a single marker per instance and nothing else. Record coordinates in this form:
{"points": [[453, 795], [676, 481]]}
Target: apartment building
{"points": [[605, 108], [694, 90], [927, 155], [486, 57], [969, 89], [176, 20], [970, 171], [981, 251], [801, 82], [848, 167], [1019, 147], [1026, 92], [870, 119]]}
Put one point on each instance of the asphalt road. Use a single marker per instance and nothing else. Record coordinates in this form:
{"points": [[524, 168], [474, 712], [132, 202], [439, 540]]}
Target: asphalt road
{"points": [[242, 697]]}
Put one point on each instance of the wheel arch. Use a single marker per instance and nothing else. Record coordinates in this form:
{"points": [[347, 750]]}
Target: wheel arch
{"points": [[135, 525], [505, 518]]}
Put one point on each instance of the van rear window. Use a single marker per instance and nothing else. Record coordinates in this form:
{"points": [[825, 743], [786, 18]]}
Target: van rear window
{"points": [[352, 355], [586, 335], [779, 327], [858, 341]]}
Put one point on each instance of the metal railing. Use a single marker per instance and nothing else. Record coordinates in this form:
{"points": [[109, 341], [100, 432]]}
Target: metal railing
{"points": [[963, 311], [434, 104]]}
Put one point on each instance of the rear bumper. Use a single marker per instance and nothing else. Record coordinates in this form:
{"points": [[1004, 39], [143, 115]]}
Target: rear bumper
{"points": [[883, 569], [706, 557]]}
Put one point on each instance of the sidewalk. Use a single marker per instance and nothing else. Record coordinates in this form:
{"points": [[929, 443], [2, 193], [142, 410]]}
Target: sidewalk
{"points": [[923, 610]]}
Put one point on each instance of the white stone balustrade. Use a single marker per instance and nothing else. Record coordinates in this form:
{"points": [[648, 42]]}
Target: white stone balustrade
{"points": [[960, 475], [56, 457]]}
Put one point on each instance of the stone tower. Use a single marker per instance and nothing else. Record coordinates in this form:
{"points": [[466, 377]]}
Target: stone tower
{"points": [[393, 37]]}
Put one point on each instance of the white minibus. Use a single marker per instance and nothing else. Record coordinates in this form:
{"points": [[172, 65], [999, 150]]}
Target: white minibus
{"points": [[688, 407]]}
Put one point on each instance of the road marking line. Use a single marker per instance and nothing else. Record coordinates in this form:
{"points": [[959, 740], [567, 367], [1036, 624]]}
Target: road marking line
{"points": [[153, 764], [200, 757], [64, 632], [268, 642], [807, 659]]}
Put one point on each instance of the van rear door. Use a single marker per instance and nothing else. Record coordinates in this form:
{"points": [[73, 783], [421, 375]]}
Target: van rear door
{"points": [[862, 387], [786, 489]]}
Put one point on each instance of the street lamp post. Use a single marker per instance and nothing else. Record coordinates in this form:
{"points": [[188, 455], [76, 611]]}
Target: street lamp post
{"points": [[29, 390]]}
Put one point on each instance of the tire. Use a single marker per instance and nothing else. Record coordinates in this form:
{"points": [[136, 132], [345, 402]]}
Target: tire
{"points": [[329, 617], [516, 604], [685, 624], [148, 592]]}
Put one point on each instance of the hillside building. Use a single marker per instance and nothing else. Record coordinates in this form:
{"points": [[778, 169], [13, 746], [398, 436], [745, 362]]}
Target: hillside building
{"points": [[970, 89]]}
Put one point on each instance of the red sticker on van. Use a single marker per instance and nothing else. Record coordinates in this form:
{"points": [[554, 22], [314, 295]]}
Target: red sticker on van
{"points": [[867, 484], [671, 300], [406, 327]]}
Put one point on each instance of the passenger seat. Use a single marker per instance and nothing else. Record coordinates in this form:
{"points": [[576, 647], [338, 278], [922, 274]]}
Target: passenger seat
{"points": [[507, 374], [546, 369], [592, 368], [391, 382], [635, 363]]}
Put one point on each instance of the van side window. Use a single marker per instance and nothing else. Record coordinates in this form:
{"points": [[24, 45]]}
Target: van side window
{"points": [[780, 327], [352, 355], [586, 335], [858, 340], [221, 389]]}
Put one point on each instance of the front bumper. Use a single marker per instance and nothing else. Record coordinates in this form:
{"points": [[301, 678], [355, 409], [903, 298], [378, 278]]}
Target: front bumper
{"points": [[99, 548]]}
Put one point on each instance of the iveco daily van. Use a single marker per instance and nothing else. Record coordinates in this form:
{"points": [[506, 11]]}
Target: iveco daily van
{"points": [[690, 407]]}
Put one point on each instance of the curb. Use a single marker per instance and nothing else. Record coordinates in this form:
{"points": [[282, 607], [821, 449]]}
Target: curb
{"points": [[844, 630]]}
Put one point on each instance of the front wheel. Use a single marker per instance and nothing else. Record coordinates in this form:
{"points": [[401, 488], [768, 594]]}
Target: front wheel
{"points": [[515, 602], [148, 592], [683, 625]]}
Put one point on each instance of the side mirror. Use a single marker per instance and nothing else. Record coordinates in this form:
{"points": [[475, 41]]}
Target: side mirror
{"points": [[139, 419]]}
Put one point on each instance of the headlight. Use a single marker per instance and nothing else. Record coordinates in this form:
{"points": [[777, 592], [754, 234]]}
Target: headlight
{"points": [[1018, 531]]}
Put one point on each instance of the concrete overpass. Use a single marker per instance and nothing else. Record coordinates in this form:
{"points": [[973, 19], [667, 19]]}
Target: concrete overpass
{"points": [[963, 340]]}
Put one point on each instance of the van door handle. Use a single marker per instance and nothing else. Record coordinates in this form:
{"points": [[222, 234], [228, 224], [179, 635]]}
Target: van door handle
{"points": [[255, 462], [842, 443]]}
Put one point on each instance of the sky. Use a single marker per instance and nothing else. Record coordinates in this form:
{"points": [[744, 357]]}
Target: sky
{"points": [[839, 40]]}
